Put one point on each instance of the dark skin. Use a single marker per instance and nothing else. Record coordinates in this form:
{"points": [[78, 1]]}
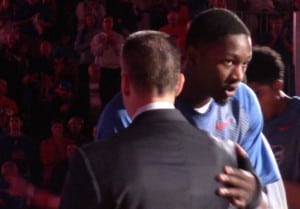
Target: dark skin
{"points": [[215, 70]]}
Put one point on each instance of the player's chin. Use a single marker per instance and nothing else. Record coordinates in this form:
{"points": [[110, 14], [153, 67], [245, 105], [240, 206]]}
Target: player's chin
{"points": [[222, 99]]}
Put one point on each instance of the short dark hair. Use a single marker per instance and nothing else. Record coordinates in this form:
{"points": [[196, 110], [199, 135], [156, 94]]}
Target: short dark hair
{"points": [[214, 24], [152, 60], [266, 66]]}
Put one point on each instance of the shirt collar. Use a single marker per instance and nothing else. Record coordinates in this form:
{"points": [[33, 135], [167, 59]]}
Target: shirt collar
{"points": [[153, 106]]}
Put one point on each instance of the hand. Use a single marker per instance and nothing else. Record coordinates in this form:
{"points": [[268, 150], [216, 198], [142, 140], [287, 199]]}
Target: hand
{"points": [[243, 187], [18, 186]]}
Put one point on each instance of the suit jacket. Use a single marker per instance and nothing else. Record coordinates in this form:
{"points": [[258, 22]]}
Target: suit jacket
{"points": [[159, 162]]}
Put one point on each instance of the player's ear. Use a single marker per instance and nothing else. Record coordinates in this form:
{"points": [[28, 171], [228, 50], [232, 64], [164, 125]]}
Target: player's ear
{"points": [[278, 85]]}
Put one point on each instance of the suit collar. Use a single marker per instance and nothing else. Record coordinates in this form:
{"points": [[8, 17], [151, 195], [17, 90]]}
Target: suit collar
{"points": [[153, 106], [158, 115]]}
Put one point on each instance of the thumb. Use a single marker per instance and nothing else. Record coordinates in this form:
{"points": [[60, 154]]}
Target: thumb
{"points": [[242, 158]]}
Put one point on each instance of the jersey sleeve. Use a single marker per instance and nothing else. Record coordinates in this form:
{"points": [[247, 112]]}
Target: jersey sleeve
{"points": [[254, 142], [113, 118]]}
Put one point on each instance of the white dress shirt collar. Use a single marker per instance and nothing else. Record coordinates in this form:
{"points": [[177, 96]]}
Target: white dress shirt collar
{"points": [[153, 106]]}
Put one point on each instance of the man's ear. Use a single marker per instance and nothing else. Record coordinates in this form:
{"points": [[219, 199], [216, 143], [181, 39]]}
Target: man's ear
{"points": [[125, 84], [277, 85], [180, 83]]}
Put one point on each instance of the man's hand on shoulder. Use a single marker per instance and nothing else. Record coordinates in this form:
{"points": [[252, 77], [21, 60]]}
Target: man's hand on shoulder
{"points": [[243, 187]]}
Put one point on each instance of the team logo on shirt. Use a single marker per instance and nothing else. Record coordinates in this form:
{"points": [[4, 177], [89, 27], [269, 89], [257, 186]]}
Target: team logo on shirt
{"points": [[223, 124], [278, 151]]}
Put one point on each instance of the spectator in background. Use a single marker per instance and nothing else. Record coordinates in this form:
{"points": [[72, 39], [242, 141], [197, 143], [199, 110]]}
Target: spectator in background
{"points": [[33, 19], [7, 106], [9, 170], [52, 152], [64, 101], [106, 47], [82, 45], [43, 61], [255, 12], [11, 69], [89, 96], [64, 45], [76, 130], [173, 28], [265, 75], [64, 70], [182, 10], [19, 147], [127, 17], [94, 7], [158, 14], [6, 16], [280, 39]]}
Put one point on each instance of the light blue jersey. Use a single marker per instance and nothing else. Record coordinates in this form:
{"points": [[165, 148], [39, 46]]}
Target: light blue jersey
{"points": [[239, 120]]}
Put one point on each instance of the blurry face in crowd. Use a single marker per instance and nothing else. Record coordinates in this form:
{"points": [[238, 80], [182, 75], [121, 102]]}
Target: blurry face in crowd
{"points": [[217, 68], [15, 123], [276, 25], [90, 21], [173, 18], [108, 24], [12, 38], [45, 48], [75, 124], [57, 129]]}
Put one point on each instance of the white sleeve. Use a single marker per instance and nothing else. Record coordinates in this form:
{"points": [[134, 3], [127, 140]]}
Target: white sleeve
{"points": [[276, 195]]}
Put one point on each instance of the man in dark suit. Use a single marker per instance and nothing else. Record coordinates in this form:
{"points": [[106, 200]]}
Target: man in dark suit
{"points": [[160, 161]]}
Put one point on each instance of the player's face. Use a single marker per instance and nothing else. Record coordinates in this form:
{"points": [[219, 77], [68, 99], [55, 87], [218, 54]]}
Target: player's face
{"points": [[220, 66], [267, 97]]}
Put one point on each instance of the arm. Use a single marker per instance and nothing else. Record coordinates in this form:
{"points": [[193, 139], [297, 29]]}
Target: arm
{"points": [[79, 45], [113, 118], [97, 44], [80, 189], [18, 186]]}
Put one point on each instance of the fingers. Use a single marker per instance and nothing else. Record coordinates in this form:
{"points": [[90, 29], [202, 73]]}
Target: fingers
{"points": [[235, 196], [236, 177], [240, 188], [240, 151]]}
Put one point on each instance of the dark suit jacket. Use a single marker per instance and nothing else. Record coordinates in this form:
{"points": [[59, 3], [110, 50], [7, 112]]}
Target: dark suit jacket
{"points": [[159, 162]]}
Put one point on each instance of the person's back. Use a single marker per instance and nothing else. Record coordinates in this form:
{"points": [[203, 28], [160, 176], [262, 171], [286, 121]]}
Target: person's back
{"points": [[160, 164]]}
